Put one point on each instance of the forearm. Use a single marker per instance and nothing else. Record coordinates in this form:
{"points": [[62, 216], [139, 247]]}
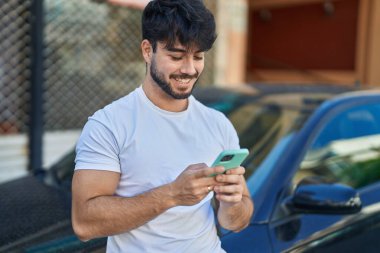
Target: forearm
{"points": [[108, 215], [235, 216], [96, 212]]}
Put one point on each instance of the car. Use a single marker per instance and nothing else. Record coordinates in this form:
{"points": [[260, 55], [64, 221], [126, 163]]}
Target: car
{"points": [[314, 161], [355, 233]]}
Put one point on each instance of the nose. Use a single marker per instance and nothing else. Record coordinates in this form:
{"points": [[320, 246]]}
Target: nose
{"points": [[188, 67]]}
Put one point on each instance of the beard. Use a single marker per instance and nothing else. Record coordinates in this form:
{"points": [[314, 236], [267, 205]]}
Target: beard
{"points": [[165, 86]]}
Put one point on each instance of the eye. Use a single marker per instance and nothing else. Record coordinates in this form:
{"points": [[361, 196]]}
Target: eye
{"points": [[175, 58], [198, 58]]}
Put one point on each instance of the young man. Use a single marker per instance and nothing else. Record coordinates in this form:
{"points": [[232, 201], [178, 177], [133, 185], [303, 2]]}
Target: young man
{"points": [[141, 168]]}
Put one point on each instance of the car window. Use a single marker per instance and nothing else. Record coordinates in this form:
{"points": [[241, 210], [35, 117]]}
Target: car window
{"points": [[261, 126], [347, 149], [256, 124]]}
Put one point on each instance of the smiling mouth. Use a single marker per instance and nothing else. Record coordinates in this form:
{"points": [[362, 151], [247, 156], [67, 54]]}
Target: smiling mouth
{"points": [[183, 80]]}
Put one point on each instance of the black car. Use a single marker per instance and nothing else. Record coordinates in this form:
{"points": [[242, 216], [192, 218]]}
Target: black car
{"points": [[355, 233], [314, 160]]}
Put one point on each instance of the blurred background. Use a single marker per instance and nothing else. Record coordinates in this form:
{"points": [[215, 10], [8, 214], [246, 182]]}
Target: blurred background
{"points": [[60, 61]]}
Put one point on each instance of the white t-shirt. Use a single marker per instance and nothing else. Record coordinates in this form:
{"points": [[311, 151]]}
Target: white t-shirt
{"points": [[150, 147]]}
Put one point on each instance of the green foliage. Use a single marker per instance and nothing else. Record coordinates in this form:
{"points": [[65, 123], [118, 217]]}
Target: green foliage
{"points": [[361, 173]]}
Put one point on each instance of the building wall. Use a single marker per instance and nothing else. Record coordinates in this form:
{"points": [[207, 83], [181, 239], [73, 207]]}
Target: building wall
{"points": [[372, 12], [231, 45], [305, 41]]}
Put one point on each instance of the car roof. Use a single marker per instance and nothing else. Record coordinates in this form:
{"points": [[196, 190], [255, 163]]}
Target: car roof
{"points": [[296, 96]]}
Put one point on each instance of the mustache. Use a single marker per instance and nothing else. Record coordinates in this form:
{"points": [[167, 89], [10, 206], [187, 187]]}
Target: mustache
{"points": [[185, 76]]}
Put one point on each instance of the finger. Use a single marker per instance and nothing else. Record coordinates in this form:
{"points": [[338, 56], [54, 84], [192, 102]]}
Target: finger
{"points": [[229, 179], [236, 171], [192, 183], [193, 187], [206, 181], [197, 166], [229, 189], [221, 168], [209, 188], [204, 190], [233, 198], [194, 169], [206, 172]]}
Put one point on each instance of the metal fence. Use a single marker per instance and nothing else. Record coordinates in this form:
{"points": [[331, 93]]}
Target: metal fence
{"points": [[14, 65], [87, 55], [91, 57]]}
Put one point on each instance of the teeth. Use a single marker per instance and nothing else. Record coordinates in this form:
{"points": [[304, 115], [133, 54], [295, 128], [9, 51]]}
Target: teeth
{"points": [[183, 81]]}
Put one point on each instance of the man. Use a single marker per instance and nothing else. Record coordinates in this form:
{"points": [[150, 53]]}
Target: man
{"points": [[141, 168]]}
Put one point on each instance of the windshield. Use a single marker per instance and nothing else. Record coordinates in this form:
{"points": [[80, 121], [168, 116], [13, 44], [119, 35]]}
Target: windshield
{"points": [[261, 126]]}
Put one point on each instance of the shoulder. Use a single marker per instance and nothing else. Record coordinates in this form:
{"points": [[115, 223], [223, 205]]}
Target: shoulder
{"points": [[111, 113], [116, 118], [218, 123], [209, 112]]}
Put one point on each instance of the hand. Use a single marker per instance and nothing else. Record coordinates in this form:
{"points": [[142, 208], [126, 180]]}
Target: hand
{"points": [[230, 186], [194, 183]]}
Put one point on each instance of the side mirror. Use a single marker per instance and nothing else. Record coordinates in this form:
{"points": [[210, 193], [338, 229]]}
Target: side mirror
{"points": [[324, 199]]}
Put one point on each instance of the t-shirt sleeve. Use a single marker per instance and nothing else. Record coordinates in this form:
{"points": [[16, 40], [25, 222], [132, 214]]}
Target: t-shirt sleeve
{"points": [[97, 148]]}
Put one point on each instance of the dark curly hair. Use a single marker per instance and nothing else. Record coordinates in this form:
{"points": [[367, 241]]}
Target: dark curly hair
{"points": [[186, 21]]}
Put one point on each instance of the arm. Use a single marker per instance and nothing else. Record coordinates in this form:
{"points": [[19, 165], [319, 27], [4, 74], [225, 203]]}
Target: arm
{"points": [[97, 212], [235, 204]]}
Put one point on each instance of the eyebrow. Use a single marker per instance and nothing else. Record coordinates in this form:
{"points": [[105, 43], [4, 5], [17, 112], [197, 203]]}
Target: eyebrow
{"points": [[180, 50]]}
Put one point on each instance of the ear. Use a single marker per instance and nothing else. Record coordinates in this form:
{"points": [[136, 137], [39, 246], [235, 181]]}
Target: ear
{"points": [[147, 50]]}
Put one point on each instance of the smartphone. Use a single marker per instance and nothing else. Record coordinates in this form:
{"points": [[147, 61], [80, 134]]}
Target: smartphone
{"points": [[230, 159]]}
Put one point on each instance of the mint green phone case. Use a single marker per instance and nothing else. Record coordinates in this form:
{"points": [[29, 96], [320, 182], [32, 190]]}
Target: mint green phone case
{"points": [[236, 156]]}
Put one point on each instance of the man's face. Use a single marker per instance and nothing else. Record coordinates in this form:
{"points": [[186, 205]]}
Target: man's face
{"points": [[176, 70]]}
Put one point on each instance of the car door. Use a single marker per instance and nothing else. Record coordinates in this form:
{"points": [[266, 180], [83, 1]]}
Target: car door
{"points": [[348, 236], [344, 148]]}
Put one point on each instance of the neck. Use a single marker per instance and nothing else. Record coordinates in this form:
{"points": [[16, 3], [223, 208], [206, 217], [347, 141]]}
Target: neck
{"points": [[162, 100]]}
